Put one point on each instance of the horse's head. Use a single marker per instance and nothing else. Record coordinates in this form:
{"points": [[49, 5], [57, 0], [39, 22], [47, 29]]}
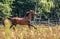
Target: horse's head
{"points": [[32, 12]]}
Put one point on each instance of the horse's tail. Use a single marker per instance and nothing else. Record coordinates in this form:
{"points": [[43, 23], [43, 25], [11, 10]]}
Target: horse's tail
{"points": [[9, 19]]}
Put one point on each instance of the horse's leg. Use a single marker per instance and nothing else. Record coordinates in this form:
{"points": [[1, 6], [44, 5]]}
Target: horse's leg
{"points": [[3, 24], [29, 26], [32, 26], [14, 27], [11, 26]]}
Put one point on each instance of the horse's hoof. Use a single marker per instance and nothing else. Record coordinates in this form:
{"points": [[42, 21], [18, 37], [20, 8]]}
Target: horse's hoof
{"points": [[35, 28]]}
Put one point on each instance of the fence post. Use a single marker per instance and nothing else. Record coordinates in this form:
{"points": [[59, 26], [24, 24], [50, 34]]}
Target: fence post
{"points": [[59, 21], [49, 22]]}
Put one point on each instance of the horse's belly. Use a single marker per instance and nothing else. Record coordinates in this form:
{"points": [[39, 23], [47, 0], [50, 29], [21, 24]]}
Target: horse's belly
{"points": [[23, 23]]}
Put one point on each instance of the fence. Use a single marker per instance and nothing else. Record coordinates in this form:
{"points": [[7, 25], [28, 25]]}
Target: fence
{"points": [[49, 22], [38, 20]]}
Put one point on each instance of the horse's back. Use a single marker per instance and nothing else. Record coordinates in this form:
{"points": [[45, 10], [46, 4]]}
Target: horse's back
{"points": [[17, 18], [22, 21]]}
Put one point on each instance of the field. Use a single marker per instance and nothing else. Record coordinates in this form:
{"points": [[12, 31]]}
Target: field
{"points": [[23, 32]]}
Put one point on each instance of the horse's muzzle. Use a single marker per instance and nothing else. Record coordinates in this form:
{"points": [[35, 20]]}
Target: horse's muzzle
{"points": [[37, 14]]}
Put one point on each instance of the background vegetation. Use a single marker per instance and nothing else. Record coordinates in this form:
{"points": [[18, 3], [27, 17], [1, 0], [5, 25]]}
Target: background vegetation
{"points": [[17, 8], [47, 9]]}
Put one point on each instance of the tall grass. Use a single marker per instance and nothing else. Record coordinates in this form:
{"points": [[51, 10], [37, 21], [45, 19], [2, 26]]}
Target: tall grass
{"points": [[23, 32], [7, 29]]}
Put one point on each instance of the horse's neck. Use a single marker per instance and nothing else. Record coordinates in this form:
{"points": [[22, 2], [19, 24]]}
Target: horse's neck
{"points": [[29, 16]]}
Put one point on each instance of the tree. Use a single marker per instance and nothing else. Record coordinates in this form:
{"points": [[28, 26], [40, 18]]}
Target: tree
{"points": [[45, 5], [6, 9], [22, 6]]}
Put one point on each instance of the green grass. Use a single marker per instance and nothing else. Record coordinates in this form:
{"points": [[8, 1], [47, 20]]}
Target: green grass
{"points": [[7, 29]]}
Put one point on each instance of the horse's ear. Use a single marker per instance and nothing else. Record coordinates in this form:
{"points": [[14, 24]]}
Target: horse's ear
{"points": [[27, 12], [31, 10]]}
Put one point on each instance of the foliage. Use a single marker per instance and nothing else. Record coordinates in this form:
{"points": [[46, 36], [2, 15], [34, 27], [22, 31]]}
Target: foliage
{"points": [[45, 5], [5, 8], [21, 7], [14, 8]]}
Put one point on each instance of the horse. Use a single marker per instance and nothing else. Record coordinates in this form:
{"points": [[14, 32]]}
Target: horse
{"points": [[26, 20]]}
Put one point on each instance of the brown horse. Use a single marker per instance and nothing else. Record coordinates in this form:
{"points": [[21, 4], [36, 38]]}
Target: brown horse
{"points": [[23, 21]]}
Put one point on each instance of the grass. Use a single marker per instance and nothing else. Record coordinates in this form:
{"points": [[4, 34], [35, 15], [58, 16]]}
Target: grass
{"points": [[23, 32]]}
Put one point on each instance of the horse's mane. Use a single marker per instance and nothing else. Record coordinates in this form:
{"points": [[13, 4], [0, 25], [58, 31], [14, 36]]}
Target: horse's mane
{"points": [[27, 14]]}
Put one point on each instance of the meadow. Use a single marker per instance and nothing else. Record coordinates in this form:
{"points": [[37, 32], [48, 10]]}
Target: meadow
{"points": [[23, 32]]}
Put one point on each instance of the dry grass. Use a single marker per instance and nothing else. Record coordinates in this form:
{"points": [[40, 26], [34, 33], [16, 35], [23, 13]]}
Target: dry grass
{"points": [[42, 32], [23, 32]]}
